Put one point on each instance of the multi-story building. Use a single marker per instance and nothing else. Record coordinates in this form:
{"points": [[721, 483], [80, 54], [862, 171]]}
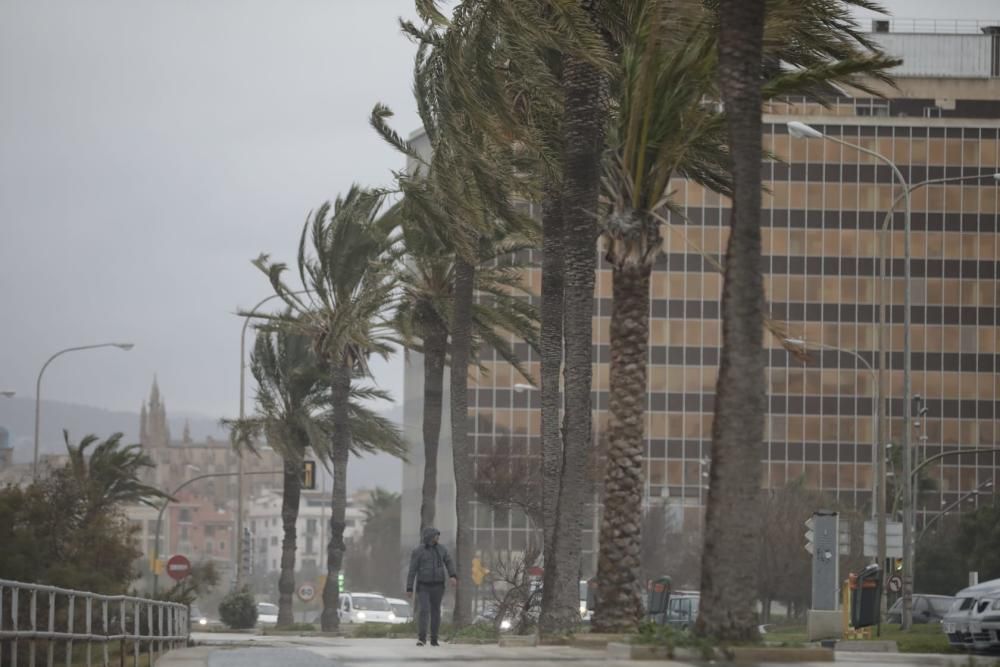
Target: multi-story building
{"points": [[822, 208], [312, 529]]}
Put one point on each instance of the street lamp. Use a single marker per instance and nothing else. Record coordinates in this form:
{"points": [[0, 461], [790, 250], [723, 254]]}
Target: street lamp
{"points": [[801, 130], [38, 390], [985, 485]]}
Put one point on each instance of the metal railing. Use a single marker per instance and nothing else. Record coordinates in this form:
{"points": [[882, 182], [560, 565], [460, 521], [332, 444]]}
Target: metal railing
{"points": [[40, 625]]}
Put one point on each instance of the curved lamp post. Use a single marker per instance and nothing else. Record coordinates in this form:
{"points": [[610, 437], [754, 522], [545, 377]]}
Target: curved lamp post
{"points": [[38, 390], [163, 508], [974, 492]]}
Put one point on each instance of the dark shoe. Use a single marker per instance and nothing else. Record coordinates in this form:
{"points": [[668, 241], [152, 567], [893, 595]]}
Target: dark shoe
{"points": [[420, 642], [434, 642]]}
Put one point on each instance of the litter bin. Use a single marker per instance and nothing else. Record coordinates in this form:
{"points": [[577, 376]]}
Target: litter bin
{"points": [[866, 588], [591, 594], [657, 597]]}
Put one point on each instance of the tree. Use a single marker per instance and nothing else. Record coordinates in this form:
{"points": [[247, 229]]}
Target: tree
{"points": [[423, 319], [290, 394], [67, 529], [728, 578], [346, 267], [376, 558]]}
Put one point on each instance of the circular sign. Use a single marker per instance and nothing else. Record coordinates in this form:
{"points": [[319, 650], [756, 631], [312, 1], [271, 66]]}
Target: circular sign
{"points": [[895, 584], [306, 592], [178, 567]]}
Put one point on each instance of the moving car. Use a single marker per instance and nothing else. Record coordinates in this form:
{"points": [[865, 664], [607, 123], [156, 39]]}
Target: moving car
{"points": [[402, 610], [267, 613], [197, 619], [365, 608], [926, 609], [973, 622]]}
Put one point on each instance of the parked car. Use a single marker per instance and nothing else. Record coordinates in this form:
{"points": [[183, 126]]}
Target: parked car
{"points": [[926, 609], [973, 622], [365, 608], [267, 613], [402, 610], [682, 609]]}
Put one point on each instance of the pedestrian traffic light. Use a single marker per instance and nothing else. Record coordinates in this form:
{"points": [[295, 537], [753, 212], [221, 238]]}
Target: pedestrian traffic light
{"points": [[340, 582], [309, 475]]}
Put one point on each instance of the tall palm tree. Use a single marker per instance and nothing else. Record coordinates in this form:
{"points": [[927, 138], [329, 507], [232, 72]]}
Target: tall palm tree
{"points": [[423, 318], [465, 191], [345, 264]]}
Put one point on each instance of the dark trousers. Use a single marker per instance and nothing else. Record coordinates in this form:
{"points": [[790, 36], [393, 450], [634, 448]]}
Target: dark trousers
{"points": [[429, 607]]}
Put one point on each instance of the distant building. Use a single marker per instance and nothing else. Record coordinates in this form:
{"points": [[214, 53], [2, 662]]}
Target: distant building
{"points": [[312, 529], [6, 450]]}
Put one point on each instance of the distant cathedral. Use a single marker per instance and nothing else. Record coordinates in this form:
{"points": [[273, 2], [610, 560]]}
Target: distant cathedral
{"points": [[153, 428]]}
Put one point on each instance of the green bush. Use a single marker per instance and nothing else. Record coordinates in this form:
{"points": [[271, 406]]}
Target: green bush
{"points": [[238, 610]]}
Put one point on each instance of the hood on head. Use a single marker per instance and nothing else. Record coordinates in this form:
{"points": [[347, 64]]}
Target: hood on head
{"points": [[429, 535]]}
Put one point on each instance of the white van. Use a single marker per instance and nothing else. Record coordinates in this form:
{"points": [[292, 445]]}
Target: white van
{"points": [[365, 608], [973, 622]]}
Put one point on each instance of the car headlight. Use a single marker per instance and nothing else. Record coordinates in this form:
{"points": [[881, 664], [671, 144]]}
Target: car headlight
{"points": [[392, 616], [202, 621], [505, 624], [360, 615]]}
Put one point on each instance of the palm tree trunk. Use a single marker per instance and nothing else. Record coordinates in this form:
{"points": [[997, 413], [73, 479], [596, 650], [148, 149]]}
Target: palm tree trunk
{"points": [[435, 351], [552, 357], [728, 577], [583, 131], [341, 388], [291, 491], [619, 602], [464, 466]]}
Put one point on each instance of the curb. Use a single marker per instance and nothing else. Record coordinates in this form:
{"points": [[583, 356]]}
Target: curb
{"points": [[753, 654], [514, 641], [186, 657]]}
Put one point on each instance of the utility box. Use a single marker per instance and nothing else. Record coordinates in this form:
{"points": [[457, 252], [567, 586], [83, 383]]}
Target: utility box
{"points": [[866, 588], [822, 537], [592, 594]]}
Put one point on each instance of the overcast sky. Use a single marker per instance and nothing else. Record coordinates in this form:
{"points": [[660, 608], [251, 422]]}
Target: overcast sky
{"points": [[149, 149]]}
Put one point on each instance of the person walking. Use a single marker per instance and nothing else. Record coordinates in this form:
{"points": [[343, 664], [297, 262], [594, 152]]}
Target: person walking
{"points": [[430, 567]]}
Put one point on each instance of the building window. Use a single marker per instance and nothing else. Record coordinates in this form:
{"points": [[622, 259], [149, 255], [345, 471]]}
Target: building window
{"points": [[309, 545], [185, 516], [310, 526], [274, 540]]}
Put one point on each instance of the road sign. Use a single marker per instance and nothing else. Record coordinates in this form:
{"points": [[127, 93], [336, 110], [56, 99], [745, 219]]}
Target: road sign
{"points": [[893, 539], [178, 567], [306, 591], [895, 584], [845, 538], [309, 475]]}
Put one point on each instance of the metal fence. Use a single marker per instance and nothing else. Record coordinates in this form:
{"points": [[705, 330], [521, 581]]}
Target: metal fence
{"points": [[45, 625]]}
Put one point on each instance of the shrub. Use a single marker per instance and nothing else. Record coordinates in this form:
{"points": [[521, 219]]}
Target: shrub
{"points": [[238, 610]]}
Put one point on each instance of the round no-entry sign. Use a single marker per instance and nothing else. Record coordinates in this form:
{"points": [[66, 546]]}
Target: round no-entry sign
{"points": [[306, 592], [178, 567]]}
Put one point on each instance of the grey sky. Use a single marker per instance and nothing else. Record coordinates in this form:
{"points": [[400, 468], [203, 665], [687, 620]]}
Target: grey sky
{"points": [[149, 149]]}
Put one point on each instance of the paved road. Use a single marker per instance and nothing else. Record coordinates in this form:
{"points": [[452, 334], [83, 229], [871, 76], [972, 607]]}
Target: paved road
{"points": [[265, 651]]}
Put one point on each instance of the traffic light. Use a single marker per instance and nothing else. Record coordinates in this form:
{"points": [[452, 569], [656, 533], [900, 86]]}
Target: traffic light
{"points": [[247, 552], [340, 582], [309, 475], [478, 571], [897, 564]]}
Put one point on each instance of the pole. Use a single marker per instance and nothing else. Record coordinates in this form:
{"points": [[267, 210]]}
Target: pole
{"points": [[38, 392], [163, 508]]}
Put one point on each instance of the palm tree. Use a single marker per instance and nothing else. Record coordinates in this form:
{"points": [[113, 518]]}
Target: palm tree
{"points": [[423, 319], [348, 274], [111, 476], [290, 394]]}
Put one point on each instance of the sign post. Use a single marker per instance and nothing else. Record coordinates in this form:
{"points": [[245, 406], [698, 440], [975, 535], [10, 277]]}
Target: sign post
{"points": [[178, 567]]}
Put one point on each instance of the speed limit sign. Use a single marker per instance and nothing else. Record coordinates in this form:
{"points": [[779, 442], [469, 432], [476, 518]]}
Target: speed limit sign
{"points": [[306, 592], [895, 584]]}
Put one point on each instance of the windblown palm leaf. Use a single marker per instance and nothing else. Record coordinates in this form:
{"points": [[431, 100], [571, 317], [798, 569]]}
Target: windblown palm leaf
{"points": [[111, 475]]}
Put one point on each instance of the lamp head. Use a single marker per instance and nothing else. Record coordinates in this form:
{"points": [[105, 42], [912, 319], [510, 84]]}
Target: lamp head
{"points": [[7, 394], [996, 177], [124, 346], [520, 387], [800, 130], [795, 341]]}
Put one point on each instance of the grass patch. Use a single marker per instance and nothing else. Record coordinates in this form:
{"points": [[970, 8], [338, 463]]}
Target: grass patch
{"points": [[383, 630], [922, 638], [665, 635], [297, 627]]}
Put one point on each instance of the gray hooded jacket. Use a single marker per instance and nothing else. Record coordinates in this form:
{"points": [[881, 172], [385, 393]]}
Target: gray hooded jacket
{"points": [[429, 563]]}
